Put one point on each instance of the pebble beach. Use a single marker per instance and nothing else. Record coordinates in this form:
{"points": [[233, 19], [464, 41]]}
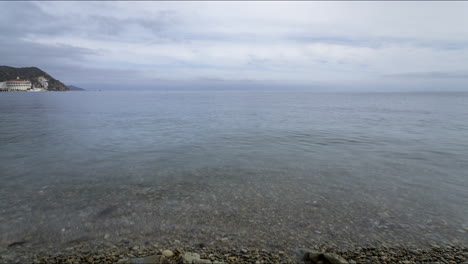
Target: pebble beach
{"points": [[199, 254]]}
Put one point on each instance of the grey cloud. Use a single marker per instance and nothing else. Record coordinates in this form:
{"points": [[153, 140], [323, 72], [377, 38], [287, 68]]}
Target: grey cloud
{"points": [[379, 42], [104, 25], [33, 20], [82, 75], [113, 26], [158, 23], [52, 59], [20, 52], [63, 62], [431, 75], [258, 62]]}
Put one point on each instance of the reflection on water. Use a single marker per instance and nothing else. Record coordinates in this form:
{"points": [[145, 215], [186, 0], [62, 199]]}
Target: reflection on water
{"points": [[254, 168]]}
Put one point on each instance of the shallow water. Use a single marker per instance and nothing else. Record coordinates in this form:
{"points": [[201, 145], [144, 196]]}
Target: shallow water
{"points": [[272, 169]]}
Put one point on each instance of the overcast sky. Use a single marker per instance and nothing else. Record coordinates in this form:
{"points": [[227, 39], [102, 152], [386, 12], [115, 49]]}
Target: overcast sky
{"points": [[127, 44]]}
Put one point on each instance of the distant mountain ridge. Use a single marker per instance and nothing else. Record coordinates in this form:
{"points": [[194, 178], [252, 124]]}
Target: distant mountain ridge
{"points": [[75, 88], [31, 73]]}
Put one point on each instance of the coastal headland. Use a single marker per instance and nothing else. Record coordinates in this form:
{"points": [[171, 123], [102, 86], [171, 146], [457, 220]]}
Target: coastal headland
{"points": [[37, 78]]}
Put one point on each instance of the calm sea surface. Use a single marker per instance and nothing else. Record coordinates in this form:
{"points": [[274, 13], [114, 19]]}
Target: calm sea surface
{"points": [[273, 169]]}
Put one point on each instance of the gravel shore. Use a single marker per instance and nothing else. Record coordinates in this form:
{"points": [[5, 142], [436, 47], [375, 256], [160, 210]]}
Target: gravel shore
{"points": [[199, 254]]}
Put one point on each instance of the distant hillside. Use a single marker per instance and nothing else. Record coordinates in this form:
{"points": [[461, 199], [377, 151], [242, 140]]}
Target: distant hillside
{"points": [[74, 88], [31, 73]]}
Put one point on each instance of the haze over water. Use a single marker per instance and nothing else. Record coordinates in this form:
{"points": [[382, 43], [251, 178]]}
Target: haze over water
{"points": [[273, 169]]}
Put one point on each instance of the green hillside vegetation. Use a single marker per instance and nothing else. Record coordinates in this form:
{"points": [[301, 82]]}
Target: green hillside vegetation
{"points": [[31, 73]]}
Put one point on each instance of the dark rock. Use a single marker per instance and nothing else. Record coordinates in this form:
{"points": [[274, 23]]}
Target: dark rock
{"points": [[16, 244], [334, 259], [300, 253], [313, 257]]}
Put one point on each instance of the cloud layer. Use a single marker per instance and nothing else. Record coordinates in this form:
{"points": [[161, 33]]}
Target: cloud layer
{"points": [[105, 43]]}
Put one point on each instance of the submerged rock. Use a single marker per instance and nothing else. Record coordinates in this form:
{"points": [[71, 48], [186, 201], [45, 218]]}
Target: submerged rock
{"points": [[201, 261], [16, 244], [334, 259], [106, 212], [313, 257], [153, 259]]}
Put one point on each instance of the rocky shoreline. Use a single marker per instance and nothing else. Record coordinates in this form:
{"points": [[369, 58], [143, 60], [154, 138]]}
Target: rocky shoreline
{"points": [[200, 254]]}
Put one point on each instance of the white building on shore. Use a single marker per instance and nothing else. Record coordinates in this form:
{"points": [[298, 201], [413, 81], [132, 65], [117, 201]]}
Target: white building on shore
{"points": [[16, 85]]}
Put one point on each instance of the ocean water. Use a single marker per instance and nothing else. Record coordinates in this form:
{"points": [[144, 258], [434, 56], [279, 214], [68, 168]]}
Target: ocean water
{"points": [[271, 169]]}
